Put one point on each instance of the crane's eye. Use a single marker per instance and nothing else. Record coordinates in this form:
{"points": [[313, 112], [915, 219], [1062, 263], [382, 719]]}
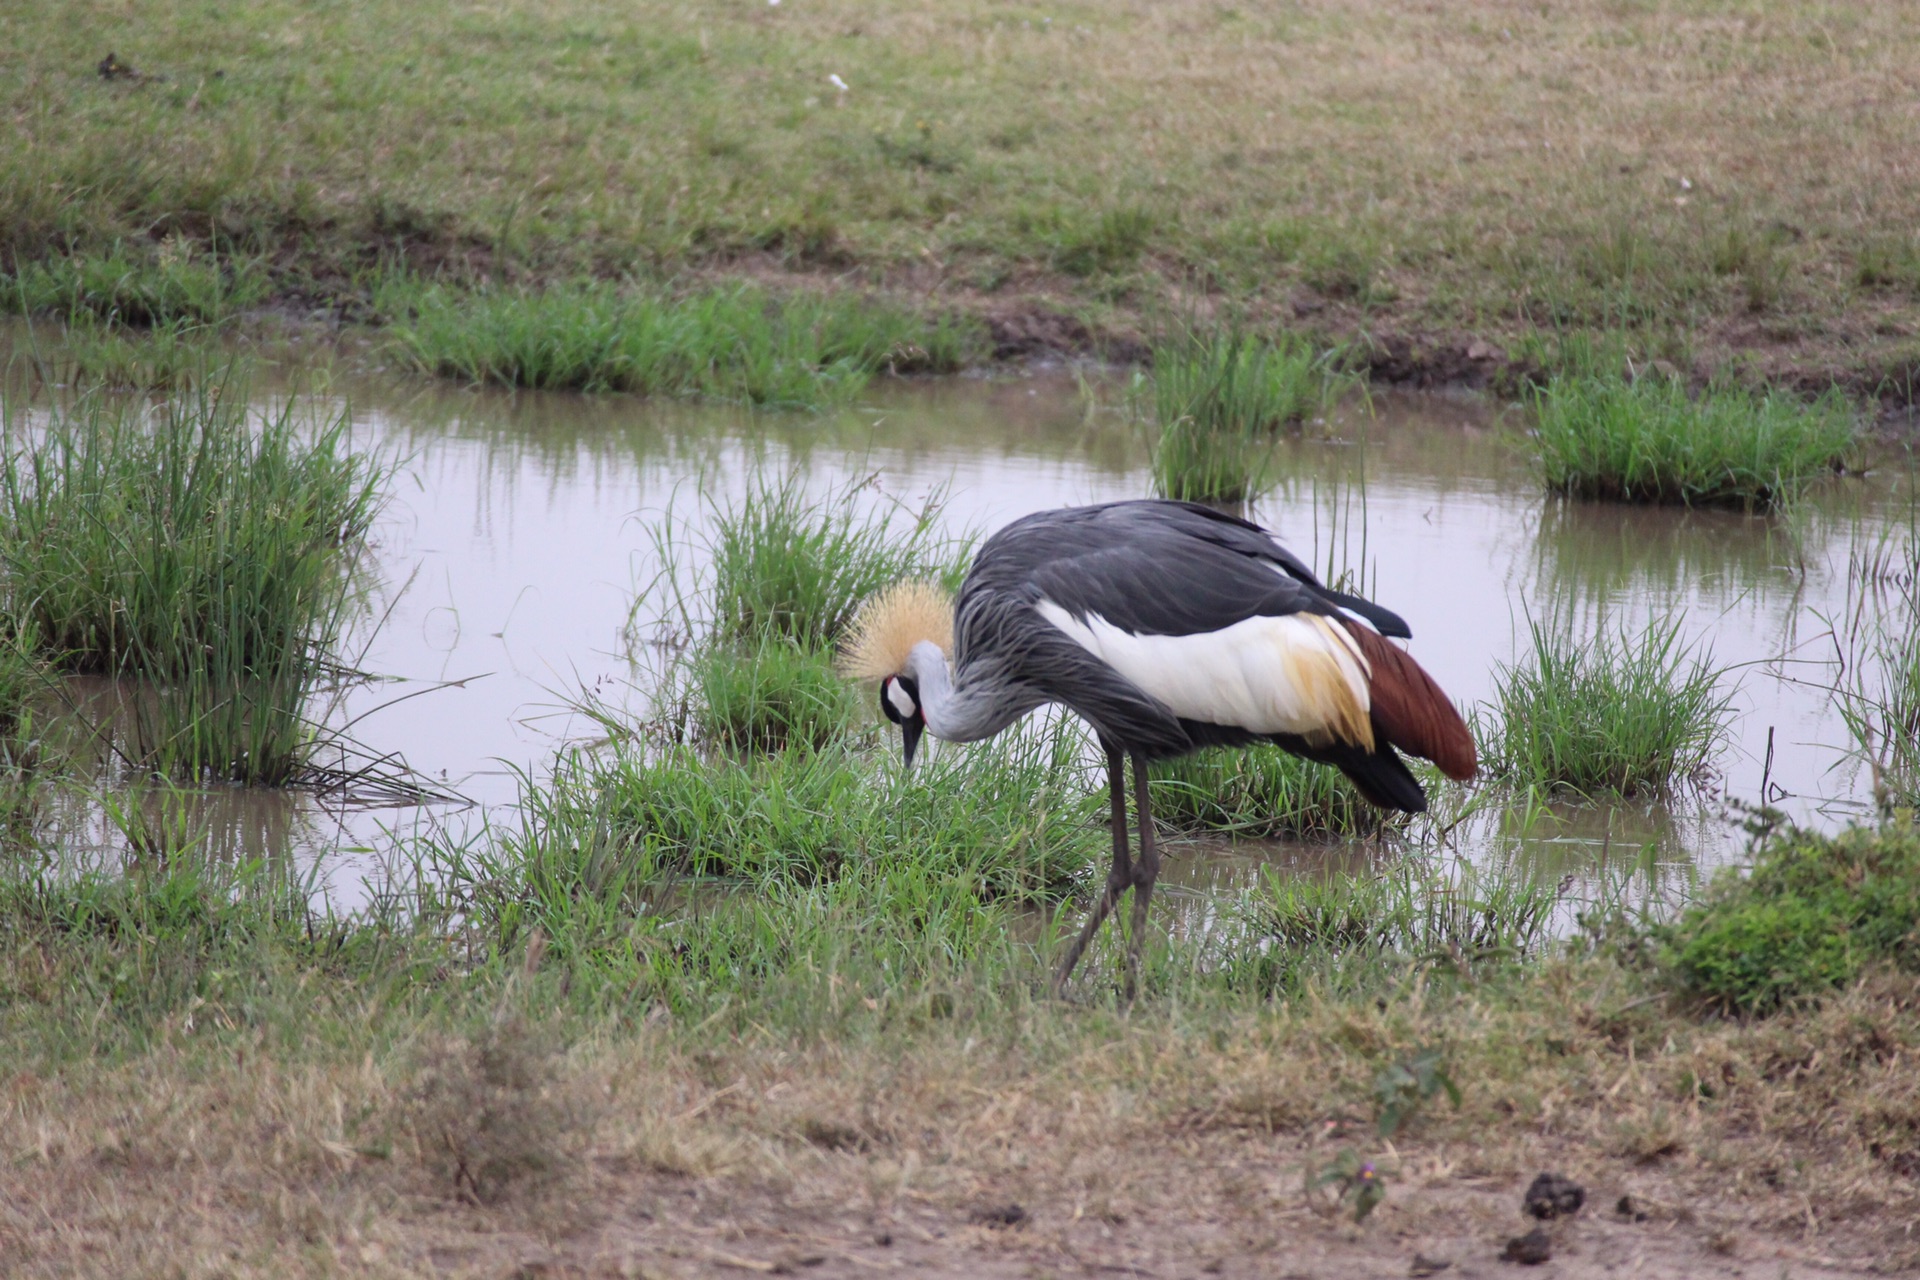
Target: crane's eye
{"points": [[897, 699]]}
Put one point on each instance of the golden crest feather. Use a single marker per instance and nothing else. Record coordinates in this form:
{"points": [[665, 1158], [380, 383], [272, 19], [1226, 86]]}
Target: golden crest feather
{"points": [[890, 623]]}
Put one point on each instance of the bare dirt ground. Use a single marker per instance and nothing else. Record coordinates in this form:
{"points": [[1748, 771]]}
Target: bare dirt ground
{"points": [[1197, 1208], [1121, 1154]]}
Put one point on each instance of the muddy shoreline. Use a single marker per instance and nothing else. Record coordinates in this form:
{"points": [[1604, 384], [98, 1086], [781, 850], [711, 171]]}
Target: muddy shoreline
{"points": [[1044, 319]]}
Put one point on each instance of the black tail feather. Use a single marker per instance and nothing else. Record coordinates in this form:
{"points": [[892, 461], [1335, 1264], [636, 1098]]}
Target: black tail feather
{"points": [[1384, 780], [1381, 776]]}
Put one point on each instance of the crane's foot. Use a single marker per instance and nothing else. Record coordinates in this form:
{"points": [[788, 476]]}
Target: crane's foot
{"points": [[1119, 878], [1108, 897]]}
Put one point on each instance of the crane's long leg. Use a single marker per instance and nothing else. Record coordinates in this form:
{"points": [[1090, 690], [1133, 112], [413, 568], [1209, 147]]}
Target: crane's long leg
{"points": [[1145, 870], [1118, 877]]}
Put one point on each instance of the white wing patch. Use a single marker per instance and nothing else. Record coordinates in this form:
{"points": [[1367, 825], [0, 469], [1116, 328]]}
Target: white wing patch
{"points": [[1300, 674]]}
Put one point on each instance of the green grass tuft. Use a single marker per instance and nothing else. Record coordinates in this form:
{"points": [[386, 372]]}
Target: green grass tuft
{"points": [[170, 355], [197, 550], [1345, 929], [736, 344], [23, 680], [1219, 398], [1813, 914], [774, 696], [795, 565], [606, 837], [1603, 436], [1257, 791], [142, 942], [1614, 713], [1879, 637], [132, 286], [1889, 262]]}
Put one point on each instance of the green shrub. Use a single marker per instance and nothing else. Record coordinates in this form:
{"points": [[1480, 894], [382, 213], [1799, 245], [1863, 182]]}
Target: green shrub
{"points": [[1812, 915], [1616, 712], [1603, 436]]}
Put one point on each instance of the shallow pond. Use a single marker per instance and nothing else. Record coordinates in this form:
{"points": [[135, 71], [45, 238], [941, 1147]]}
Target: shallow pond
{"points": [[521, 534]]}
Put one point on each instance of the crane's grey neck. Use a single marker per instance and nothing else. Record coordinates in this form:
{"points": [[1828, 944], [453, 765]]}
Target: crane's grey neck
{"points": [[965, 711]]}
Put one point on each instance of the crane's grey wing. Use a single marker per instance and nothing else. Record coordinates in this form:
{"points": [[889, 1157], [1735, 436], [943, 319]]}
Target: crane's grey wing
{"points": [[1159, 568], [1002, 644], [1250, 539]]}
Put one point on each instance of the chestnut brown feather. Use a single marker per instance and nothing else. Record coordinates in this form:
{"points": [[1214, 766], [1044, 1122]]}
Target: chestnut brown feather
{"points": [[1410, 711]]}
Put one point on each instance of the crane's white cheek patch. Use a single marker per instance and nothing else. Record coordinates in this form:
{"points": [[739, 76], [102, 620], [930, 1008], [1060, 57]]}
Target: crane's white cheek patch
{"points": [[1299, 674], [900, 699]]}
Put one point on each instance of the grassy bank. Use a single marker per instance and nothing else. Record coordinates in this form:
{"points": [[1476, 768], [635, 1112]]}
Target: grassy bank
{"points": [[730, 344], [200, 1065], [1713, 184]]}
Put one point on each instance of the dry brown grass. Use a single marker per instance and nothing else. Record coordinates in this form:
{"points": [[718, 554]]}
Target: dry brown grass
{"points": [[1148, 1142], [1724, 177]]}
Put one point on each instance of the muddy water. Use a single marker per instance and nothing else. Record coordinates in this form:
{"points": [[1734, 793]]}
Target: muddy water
{"points": [[521, 535]]}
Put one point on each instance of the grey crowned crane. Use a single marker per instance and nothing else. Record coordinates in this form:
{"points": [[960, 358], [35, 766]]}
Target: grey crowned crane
{"points": [[1168, 627]]}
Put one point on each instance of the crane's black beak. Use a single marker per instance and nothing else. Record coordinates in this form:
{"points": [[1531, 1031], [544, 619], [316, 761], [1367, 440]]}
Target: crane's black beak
{"points": [[910, 731]]}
